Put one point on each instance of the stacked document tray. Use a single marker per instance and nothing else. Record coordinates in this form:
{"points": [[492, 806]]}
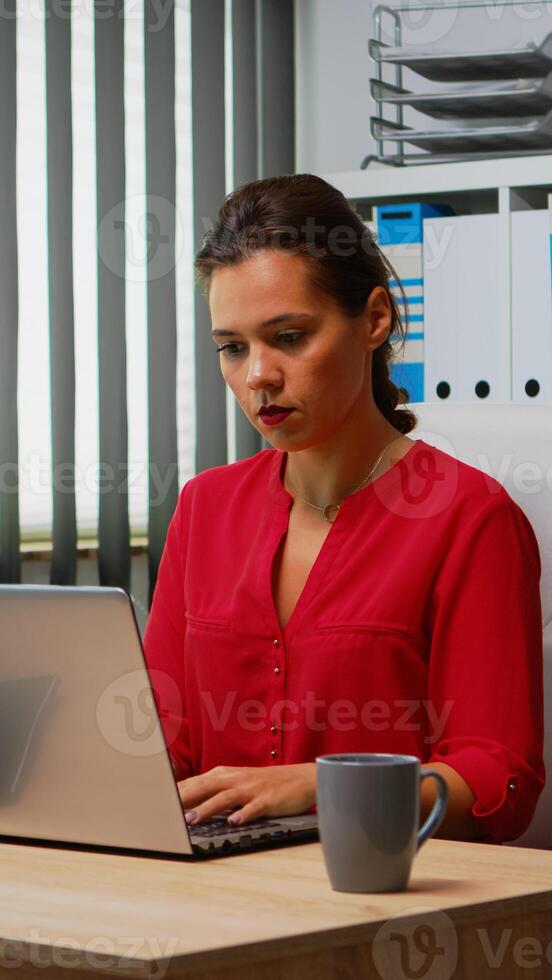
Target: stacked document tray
{"points": [[480, 100], [530, 61], [522, 135], [496, 103]]}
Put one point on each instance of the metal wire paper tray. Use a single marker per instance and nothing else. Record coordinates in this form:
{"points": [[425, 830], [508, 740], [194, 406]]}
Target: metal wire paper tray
{"points": [[476, 100], [527, 134], [529, 61]]}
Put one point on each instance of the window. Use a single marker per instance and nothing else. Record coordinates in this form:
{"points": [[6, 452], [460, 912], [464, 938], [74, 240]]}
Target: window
{"points": [[35, 452]]}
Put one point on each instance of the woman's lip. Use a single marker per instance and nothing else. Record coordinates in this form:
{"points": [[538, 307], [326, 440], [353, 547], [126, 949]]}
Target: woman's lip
{"points": [[274, 411], [273, 418]]}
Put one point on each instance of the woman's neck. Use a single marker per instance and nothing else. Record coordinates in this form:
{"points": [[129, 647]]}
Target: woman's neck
{"points": [[326, 474]]}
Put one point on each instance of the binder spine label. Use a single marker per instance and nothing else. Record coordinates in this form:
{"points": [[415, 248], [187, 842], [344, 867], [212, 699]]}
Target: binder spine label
{"points": [[400, 238]]}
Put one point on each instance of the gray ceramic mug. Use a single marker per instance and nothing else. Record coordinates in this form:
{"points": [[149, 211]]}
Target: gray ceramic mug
{"points": [[368, 817]]}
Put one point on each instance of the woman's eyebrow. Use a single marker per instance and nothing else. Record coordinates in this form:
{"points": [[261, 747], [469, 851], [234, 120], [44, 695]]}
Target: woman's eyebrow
{"points": [[265, 323]]}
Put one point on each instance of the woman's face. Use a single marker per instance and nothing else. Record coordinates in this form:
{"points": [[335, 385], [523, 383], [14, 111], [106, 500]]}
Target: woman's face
{"points": [[286, 342]]}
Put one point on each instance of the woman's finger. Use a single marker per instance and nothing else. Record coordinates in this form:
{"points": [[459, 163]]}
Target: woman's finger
{"points": [[250, 811], [195, 789], [227, 798], [200, 791]]}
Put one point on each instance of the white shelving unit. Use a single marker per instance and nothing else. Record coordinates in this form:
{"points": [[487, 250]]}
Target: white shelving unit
{"points": [[509, 184], [384, 182]]}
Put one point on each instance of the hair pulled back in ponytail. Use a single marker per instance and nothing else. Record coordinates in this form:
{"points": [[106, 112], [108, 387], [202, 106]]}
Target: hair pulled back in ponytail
{"points": [[304, 214]]}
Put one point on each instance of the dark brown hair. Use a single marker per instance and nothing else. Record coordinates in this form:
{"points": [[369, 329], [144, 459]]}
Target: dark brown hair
{"points": [[304, 214]]}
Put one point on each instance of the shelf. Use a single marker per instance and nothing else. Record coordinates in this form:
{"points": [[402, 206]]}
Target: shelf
{"points": [[381, 181], [86, 548], [500, 185]]}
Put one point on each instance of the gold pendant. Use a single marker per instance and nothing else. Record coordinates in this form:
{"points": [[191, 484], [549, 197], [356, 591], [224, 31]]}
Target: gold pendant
{"points": [[330, 512]]}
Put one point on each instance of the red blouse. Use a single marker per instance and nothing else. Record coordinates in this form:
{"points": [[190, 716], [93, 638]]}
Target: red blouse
{"points": [[418, 631]]}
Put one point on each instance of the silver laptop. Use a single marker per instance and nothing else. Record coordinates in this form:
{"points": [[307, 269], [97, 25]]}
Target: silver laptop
{"points": [[83, 761]]}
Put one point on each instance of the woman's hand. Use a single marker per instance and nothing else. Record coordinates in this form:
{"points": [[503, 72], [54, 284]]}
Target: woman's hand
{"points": [[248, 792]]}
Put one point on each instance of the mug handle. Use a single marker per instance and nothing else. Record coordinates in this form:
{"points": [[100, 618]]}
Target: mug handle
{"points": [[436, 817]]}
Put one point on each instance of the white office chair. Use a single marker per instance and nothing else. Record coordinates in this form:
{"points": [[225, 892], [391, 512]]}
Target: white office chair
{"points": [[513, 443]]}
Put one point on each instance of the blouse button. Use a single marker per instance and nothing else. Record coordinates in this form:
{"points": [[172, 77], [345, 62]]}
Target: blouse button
{"points": [[273, 729], [273, 753], [276, 643], [276, 670], [512, 784]]}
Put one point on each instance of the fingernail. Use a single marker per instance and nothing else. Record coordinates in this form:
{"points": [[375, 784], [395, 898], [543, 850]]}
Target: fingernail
{"points": [[191, 816], [235, 818]]}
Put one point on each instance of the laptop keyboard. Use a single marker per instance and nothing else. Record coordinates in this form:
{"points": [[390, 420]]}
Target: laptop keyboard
{"points": [[219, 825]]}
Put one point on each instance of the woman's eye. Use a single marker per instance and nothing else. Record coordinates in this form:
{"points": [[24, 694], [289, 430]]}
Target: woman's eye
{"points": [[225, 350], [229, 350]]}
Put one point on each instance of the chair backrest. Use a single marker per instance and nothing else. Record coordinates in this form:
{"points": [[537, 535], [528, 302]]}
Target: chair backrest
{"points": [[513, 443]]}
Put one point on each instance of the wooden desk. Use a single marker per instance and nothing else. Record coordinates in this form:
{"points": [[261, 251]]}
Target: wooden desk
{"points": [[482, 911]]}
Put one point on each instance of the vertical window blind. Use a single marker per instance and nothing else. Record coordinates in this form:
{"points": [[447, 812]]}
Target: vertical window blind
{"points": [[123, 126]]}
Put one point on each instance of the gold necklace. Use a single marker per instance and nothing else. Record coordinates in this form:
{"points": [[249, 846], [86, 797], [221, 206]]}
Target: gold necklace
{"points": [[331, 511]]}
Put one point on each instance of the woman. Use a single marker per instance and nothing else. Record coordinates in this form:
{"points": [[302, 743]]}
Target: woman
{"points": [[351, 588]]}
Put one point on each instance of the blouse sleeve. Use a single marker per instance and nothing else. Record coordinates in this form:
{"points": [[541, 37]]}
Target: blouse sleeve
{"points": [[164, 643], [486, 667]]}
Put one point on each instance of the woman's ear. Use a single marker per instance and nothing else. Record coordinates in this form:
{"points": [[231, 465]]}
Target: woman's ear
{"points": [[379, 317]]}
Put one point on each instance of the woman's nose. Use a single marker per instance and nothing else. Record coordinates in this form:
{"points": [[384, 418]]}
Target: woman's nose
{"points": [[263, 368]]}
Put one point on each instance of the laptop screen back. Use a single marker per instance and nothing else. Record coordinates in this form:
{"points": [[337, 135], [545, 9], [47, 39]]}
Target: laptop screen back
{"points": [[82, 753]]}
